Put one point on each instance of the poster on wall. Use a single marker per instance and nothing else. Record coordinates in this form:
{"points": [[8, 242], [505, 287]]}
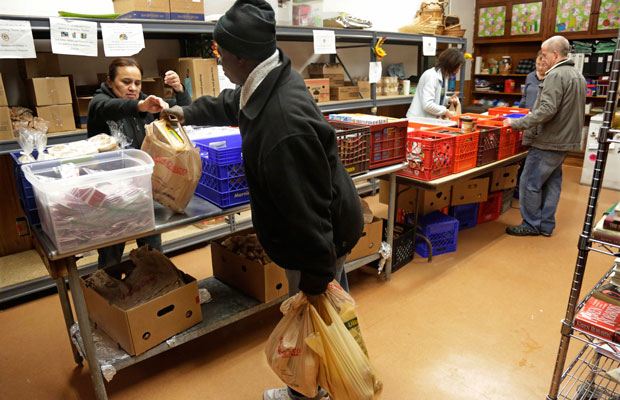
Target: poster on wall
{"points": [[526, 18], [491, 21], [609, 15], [573, 15]]}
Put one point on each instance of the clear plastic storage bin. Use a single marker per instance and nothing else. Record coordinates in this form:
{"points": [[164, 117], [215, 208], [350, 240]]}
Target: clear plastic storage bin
{"points": [[89, 200]]}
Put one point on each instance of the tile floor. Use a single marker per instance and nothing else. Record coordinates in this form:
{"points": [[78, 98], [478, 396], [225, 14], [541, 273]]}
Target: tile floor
{"points": [[481, 323]]}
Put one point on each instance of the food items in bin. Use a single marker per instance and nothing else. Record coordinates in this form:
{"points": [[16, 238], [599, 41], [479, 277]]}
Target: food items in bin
{"points": [[26, 142], [248, 247], [104, 142]]}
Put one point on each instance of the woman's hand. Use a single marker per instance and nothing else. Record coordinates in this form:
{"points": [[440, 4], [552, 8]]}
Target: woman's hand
{"points": [[454, 99], [172, 79], [447, 115], [152, 104]]}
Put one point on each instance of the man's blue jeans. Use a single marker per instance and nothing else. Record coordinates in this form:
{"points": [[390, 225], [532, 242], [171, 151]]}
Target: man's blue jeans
{"points": [[111, 255], [539, 189]]}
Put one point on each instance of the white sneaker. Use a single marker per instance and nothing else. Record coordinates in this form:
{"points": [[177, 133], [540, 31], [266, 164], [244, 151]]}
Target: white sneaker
{"points": [[282, 394]]}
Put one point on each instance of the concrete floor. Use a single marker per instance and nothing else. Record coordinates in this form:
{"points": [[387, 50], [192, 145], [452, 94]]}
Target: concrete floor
{"points": [[480, 323]]}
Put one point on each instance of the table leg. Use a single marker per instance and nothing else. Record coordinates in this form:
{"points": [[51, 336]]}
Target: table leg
{"points": [[390, 224], [68, 314], [85, 331]]}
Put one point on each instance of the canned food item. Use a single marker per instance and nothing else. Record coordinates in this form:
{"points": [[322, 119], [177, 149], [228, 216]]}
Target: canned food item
{"points": [[467, 123]]}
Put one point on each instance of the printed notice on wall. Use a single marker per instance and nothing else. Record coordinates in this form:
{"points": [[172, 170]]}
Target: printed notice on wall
{"points": [[324, 42], [122, 40], [374, 72], [16, 39], [429, 46], [73, 37]]}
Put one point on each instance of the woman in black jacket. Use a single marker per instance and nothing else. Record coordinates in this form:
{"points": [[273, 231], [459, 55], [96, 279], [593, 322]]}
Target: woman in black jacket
{"points": [[120, 102]]}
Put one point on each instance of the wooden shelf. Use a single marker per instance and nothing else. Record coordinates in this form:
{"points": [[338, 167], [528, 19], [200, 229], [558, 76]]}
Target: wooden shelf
{"points": [[498, 93]]}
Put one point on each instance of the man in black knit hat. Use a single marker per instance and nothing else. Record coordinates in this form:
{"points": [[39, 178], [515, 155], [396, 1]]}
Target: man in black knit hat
{"points": [[305, 208]]}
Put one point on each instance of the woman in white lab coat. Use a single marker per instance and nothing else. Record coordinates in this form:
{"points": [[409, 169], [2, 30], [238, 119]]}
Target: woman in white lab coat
{"points": [[429, 100]]}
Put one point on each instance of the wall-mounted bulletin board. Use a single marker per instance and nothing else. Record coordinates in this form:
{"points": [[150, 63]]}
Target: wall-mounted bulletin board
{"points": [[609, 15], [491, 21], [526, 18], [573, 15]]}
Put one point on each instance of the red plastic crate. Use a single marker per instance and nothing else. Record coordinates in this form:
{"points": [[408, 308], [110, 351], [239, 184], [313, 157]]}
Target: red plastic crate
{"points": [[508, 110], [489, 210], [430, 155], [519, 147], [465, 147], [353, 146], [387, 143], [507, 137], [488, 145]]}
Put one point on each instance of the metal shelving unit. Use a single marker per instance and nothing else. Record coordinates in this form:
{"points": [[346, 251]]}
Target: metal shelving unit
{"points": [[585, 377]]}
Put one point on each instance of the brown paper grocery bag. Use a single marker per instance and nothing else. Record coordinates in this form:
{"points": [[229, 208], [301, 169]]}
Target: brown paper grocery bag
{"points": [[177, 166]]}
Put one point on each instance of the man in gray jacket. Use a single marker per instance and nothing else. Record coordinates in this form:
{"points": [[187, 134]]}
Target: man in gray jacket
{"points": [[552, 129]]}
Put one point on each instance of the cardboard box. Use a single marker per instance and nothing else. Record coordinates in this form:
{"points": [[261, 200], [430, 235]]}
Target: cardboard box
{"points": [[156, 87], [60, 117], [3, 100], [145, 326], [187, 10], [46, 64], [430, 200], [335, 73], [471, 191], [504, 178], [263, 282], [142, 9], [49, 91], [6, 127], [319, 89], [83, 103], [350, 92], [199, 76], [370, 242]]}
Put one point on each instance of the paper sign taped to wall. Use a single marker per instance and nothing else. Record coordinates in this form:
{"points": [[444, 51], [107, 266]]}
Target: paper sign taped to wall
{"points": [[429, 46], [16, 39], [374, 72], [122, 40], [324, 42], [73, 37]]}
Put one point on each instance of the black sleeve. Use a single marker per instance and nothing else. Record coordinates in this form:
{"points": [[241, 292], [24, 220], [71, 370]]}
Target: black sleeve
{"points": [[298, 178], [104, 108], [180, 99], [218, 111]]}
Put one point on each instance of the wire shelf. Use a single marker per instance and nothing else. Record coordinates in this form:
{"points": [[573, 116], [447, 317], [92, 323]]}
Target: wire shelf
{"points": [[586, 377], [605, 247]]}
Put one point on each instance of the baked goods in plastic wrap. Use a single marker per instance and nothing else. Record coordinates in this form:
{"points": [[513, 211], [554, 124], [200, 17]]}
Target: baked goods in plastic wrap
{"points": [[177, 167]]}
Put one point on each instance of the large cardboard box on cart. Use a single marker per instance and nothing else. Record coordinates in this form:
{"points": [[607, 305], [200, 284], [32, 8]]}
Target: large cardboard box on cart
{"points": [[145, 326], [370, 242], [430, 200]]}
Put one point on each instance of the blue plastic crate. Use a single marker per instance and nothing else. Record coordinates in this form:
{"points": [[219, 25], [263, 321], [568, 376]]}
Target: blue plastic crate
{"points": [[467, 214], [221, 171], [223, 199], [24, 191], [514, 115], [441, 230], [224, 185], [217, 152]]}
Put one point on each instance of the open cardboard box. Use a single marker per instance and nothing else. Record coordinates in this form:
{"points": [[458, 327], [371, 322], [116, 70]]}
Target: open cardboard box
{"points": [[370, 242], [144, 326]]}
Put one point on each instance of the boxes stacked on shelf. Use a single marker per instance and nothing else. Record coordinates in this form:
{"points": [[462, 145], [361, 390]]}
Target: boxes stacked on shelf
{"points": [[6, 127], [465, 147], [387, 137], [353, 146], [138, 328], [223, 179], [187, 10], [504, 178], [470, 191], [233, 264], [350, 91], [142, 9], [318, 88], [84, 201], [489, 210], [442, 232], [466, 214], [332, 71], [53, 101], [429, 155], [429, 200], [199, 75]]}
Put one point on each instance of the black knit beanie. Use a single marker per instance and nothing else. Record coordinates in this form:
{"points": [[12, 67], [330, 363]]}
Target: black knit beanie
{"points": [[247, 30]]}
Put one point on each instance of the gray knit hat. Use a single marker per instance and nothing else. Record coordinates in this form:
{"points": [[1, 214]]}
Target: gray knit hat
{"points": [[247, 30]]}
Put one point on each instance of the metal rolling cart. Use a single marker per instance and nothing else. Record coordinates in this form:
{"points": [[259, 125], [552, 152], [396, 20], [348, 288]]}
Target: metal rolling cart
{"points": [[585, 377], [228, 305]]}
